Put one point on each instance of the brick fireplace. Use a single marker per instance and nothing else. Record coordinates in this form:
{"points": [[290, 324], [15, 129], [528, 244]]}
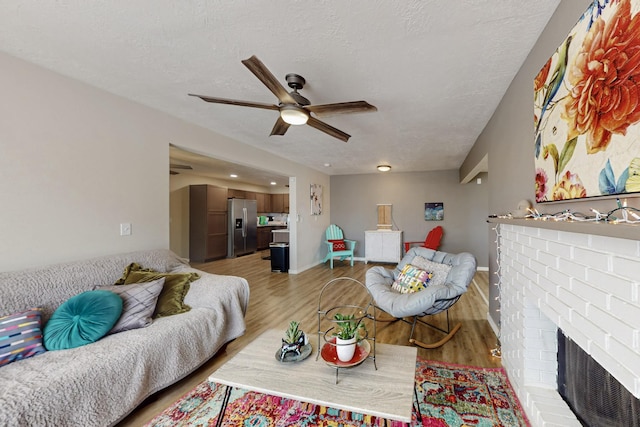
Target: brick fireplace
{"points": [[585, 284]]}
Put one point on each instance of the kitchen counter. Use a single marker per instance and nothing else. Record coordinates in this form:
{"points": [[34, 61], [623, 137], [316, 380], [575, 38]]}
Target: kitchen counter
{"points": [[280, 236], [265, 233]]}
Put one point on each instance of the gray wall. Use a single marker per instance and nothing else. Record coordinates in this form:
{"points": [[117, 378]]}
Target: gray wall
{"points": [[354, 199], [508, 138]]}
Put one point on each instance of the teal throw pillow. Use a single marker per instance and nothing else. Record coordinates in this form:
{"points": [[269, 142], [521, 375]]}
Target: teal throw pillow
{"points": [[82, 319]]}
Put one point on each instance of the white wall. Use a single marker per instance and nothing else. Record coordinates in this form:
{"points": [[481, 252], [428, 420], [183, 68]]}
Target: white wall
{"points": [[75, 162]]}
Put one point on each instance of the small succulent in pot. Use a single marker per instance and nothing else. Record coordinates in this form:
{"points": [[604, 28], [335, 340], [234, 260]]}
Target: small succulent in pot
{"points": [[293, 341]]}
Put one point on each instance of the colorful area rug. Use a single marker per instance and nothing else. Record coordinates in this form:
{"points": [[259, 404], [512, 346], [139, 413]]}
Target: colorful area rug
{"points": [[448, 395]]}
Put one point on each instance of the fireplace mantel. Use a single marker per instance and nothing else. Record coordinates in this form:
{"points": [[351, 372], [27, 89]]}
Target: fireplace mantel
{"points": [[581, 277], [621, 231]]}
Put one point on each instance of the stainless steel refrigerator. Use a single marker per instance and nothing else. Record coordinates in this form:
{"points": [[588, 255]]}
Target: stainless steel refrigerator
{"points": [[243, 227]]}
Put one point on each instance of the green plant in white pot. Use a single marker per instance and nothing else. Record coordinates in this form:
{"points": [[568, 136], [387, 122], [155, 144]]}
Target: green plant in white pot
{"points": [[347, 334]]}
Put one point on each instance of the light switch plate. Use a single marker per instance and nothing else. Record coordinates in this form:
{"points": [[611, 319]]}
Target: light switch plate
{"points": [[125, 229]]}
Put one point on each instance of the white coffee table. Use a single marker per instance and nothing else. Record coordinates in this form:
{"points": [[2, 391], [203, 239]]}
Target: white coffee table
{"points": [[386, 392]]}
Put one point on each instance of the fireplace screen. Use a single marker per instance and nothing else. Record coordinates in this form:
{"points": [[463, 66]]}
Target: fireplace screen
{"points": [[593, 394]]}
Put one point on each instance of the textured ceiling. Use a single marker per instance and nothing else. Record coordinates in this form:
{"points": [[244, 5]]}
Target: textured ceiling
{"points": [[435, 69]]}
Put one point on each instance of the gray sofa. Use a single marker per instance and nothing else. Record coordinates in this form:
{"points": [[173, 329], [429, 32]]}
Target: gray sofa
{"points": [[100, 383]]}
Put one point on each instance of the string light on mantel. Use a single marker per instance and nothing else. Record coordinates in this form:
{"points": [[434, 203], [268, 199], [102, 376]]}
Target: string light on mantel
{"points": [[622, 214], [497, 352]]}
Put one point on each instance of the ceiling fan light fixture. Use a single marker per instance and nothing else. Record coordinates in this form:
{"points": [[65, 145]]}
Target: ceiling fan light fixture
{"points": [[384, 168], [294, 115]]}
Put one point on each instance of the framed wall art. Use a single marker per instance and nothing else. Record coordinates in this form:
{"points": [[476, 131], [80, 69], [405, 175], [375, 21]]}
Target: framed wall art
{"points": [[434, 211], [316, 199], [587, 108]]}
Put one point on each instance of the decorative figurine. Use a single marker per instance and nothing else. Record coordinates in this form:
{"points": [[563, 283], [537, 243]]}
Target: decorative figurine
{"points": [[293, 341]]}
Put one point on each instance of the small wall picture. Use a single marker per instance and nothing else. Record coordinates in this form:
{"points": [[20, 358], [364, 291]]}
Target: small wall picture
{"points": [[316, 199], [434, 211]]}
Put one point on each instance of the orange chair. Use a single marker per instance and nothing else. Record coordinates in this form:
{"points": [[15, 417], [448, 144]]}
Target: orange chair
{"points": [[431, 242]]}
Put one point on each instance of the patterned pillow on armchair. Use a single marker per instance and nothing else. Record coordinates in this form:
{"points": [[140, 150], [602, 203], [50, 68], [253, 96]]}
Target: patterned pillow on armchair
{"points": [[339, 245]]}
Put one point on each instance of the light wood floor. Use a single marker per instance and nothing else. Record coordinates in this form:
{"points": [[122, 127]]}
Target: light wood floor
{"points": [[278, 298]]}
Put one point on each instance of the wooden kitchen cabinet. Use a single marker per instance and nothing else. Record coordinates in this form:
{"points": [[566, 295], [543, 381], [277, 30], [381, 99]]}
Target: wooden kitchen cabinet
{"points": [[286, 203], [207, 222], [260, 202], [277, 203], [263, 202], [236, 194], [264, 237]]}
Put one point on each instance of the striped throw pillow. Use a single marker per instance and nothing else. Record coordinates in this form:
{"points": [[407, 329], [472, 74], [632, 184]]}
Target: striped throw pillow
{"points": [[20, 336]]}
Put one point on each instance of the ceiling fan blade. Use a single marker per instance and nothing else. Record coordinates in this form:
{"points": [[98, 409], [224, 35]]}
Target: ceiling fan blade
{"points": [[179, 166], [341, 108], [328, 129], [280, 127], [264, 75], [237, 102]]}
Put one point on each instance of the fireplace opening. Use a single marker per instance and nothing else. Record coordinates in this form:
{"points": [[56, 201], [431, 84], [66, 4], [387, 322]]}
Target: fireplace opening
{"points": [[593, 394]]}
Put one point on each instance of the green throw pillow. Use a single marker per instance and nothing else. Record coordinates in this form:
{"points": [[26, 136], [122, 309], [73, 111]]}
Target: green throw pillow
{"points": [[176, 286], [82, 319]]}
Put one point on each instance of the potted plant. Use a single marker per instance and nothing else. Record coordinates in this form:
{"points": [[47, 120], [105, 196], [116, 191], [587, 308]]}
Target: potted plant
{"points": [[347, 334], [293, 341]]}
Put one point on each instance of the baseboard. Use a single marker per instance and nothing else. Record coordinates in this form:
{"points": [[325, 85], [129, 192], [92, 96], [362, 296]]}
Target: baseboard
{"points": [[496, 329], [482, 268], [482, 295]]}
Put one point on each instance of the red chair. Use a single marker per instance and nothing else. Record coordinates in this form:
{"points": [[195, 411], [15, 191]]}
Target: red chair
{"points": [[431, 242]]}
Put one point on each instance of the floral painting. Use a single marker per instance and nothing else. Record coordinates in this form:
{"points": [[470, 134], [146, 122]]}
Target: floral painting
{"points": [[316, 199], [587, 107]]}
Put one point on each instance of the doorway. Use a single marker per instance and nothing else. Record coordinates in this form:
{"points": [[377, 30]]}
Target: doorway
{"points": [[188, 168]]}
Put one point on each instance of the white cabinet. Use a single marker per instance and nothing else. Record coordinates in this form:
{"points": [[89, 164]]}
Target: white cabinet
{"points": [[383, 246]]}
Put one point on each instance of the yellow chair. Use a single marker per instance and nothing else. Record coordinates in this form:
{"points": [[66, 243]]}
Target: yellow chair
{"points": [[337, 245]]}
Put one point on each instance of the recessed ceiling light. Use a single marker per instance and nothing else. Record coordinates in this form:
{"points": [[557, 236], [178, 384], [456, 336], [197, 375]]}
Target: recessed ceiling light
{"points": [[327, 165], [384, 168], [233, 175], [273, 183]]}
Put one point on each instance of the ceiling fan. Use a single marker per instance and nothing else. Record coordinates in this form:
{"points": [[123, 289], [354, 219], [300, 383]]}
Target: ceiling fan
{"points": [[173, 166], [294, 108]]}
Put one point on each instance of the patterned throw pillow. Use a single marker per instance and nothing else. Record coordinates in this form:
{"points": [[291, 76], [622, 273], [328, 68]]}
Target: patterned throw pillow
{"points": [[339, 245], [411, 279], [440, 271], [138, 303], [20, 335]]}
